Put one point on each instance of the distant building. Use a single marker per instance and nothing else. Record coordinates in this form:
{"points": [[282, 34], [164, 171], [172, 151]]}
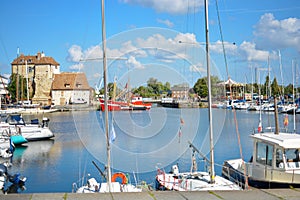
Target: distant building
{"points": [[70, 88], [180, 93], [4, 95], [40, 71]]}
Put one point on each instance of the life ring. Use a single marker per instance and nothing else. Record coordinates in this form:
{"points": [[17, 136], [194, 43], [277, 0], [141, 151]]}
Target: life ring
{"points": [[119, 175]]}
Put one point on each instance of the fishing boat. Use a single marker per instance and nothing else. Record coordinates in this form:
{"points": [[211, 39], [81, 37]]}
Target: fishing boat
{"points": [[197, 180], [136, 103], [117, 182], [275, 161]]}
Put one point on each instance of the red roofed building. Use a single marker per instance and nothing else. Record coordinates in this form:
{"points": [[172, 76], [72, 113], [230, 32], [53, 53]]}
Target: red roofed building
{"points": [[70, 88]]}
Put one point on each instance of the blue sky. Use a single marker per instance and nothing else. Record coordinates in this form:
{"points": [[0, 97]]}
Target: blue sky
{"points": [[144, 35]]}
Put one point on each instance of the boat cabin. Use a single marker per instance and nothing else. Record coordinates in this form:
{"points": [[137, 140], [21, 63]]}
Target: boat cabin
{"points": [[276, 157]]}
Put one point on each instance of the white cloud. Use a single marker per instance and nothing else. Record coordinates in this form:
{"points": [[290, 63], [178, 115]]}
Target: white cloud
{"points": [[93, 52], [166, 22], [157, 47], [168, 6], [249, 52], [78, 66], [75, 53], [276, 34], [217, 47], [132, 62], [198, 68]]}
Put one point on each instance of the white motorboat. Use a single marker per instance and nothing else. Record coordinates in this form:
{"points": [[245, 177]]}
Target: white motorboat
{"points": [[275, 162], [34, 131]]}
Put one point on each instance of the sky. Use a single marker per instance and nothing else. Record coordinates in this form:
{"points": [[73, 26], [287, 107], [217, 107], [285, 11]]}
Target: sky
{"points": [[163, 39]]}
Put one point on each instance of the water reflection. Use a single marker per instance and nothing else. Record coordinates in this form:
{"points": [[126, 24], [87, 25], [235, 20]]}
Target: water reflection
{"points": [[35, 151]]}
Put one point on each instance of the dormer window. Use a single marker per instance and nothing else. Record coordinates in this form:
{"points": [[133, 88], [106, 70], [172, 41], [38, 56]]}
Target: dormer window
{"points": [[67, 85], [78, 85]]}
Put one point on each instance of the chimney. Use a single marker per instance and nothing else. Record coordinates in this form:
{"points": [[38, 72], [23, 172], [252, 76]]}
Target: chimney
{"points": [[38, 56]]}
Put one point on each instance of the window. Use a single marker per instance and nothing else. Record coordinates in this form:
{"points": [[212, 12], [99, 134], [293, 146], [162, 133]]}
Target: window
{"points": [[292, 155], [264, 153], [279, 158], [78, 85], [67, 85]]}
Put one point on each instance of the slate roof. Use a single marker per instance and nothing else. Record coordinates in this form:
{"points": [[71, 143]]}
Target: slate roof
{"points": [[38, 59], [70, 81]]}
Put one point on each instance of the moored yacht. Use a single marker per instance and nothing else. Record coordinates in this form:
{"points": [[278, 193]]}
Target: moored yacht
{"points": [[275, 162]]}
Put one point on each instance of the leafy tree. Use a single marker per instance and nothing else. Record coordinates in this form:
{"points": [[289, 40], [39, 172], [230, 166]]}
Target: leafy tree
{"points": [[200, 87], [288, 89], [12, 87], [266, 87], [275, 87]]}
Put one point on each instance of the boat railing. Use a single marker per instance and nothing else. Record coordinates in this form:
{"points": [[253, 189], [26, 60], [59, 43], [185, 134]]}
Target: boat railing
{"points": [[237, 180], [291, 165], [271, 129]]}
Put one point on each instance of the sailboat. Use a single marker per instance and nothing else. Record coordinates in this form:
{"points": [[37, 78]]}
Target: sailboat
{"points": [[112, 184], [197, 181]]}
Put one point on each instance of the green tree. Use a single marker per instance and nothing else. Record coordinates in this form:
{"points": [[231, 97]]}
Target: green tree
{"points": [[275, 87], [266, 90], [200, 87], [12, 87], [288, 89]]}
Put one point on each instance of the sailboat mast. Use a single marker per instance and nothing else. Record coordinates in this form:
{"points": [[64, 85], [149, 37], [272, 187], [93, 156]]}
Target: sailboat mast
{"points": [[105, 96], [27, 87], [212, 170]]}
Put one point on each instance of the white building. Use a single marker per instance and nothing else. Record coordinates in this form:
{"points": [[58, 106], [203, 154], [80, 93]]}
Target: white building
{"points": [[68, 88]]}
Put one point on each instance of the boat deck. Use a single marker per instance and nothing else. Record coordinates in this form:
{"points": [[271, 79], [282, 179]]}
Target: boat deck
{"points": [[266, 194]]}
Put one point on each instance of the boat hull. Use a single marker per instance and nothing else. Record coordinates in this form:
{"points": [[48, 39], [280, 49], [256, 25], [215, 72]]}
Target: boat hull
{"points": [[18, 139], [196, 181], [38, 133], [231, 173]]}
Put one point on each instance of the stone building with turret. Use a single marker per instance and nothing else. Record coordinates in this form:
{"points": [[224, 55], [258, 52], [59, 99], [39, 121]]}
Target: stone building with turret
{"points": [[40, 71]]}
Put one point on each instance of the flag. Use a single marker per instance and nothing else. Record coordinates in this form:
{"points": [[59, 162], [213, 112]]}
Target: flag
{"points": [[181, 120], [179, 134], [112, 135], [259, 129], [286, 121]]}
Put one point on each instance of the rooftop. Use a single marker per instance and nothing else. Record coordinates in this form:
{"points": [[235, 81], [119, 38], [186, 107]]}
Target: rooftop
{"points": [[39, 59], [285, 140]]}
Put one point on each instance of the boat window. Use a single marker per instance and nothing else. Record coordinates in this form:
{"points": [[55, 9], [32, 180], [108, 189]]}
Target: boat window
{"points": [[279, 158], [292, 158], [292, 155], [264, 153]]}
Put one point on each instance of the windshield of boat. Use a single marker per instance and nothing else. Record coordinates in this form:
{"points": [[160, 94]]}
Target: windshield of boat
{"points": [[15, 120], [292, 158], [292, 155]]}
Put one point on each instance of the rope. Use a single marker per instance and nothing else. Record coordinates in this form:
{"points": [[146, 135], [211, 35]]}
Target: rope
{"points": [[234, 112]]}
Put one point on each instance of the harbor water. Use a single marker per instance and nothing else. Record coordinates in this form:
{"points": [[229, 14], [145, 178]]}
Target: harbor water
{"points": [[144, 141]]}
